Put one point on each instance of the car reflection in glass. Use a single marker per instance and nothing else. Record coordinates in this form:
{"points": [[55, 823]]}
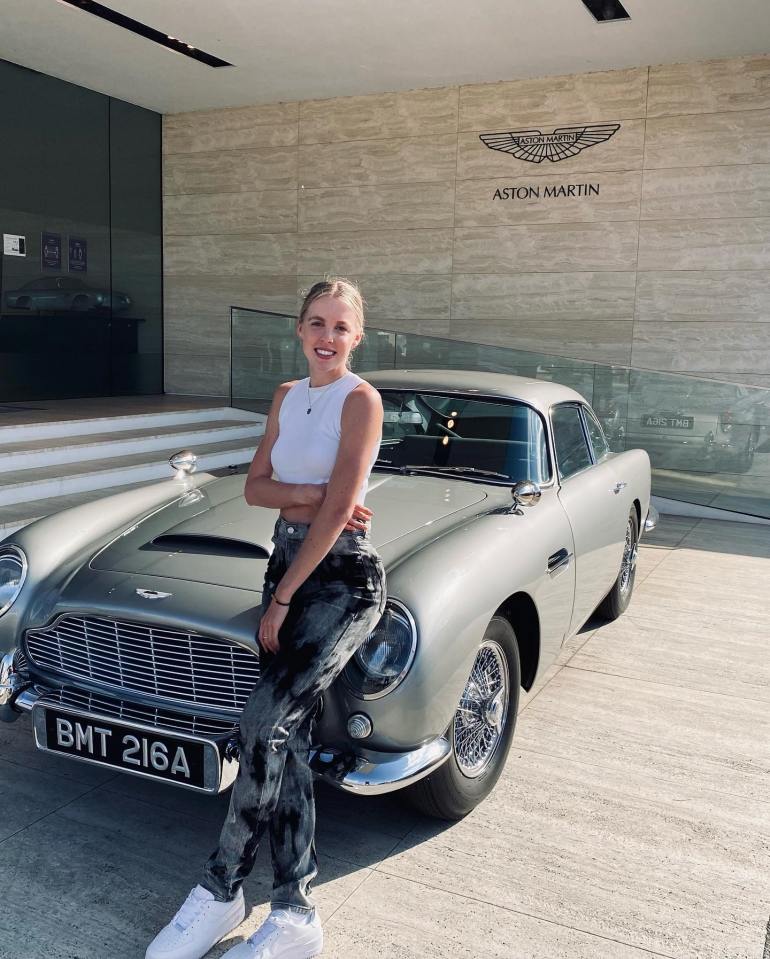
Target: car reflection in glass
{"points": [[699, 425], [65, 293]]}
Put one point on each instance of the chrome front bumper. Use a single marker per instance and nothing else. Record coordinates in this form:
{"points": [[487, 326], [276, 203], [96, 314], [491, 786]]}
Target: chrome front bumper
{"points": [[366, 773]]}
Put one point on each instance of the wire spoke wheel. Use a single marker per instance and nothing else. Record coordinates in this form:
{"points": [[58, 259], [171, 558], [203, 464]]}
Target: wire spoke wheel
{"points": [[480, 717], [628, 563]]}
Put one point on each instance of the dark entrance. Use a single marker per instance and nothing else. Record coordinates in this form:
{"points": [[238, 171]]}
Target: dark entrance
{"points": [[81, 310]]}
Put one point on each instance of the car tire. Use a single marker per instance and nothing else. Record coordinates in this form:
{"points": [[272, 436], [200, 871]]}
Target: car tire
{"points": [[615, 603], [471, 771]]}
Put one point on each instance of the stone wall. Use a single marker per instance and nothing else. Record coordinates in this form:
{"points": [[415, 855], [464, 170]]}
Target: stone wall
{"points": [[650, 248]]}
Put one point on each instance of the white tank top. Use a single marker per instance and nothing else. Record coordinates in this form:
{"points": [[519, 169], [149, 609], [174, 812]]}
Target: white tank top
{"points": [[307, 444]]}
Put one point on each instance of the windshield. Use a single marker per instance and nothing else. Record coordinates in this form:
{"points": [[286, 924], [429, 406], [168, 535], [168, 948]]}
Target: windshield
{"points": [[462, 435]]}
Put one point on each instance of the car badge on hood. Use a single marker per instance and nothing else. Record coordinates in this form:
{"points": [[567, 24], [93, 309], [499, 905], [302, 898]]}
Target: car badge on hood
{"points": [[152, 594]]}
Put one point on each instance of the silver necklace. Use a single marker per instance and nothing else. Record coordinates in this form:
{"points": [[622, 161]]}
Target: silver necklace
{"points": [[309, 400]]}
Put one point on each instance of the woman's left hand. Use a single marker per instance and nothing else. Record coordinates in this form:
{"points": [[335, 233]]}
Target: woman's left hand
{"points": [[270, 625]]}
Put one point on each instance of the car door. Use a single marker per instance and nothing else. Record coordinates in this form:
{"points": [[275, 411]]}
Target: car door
{"points": [[596, 510]]}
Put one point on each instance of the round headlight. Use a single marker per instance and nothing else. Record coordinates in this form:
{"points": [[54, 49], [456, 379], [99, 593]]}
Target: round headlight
{"points": [[384, 658], [13, 572]]}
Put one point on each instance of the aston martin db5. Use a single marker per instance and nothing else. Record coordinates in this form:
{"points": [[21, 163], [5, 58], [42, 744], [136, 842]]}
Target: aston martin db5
{"points": [[127, 626]]}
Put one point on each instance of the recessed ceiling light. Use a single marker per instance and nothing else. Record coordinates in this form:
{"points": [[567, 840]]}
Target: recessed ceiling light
{"points": [[606, 11], [149, 33]]}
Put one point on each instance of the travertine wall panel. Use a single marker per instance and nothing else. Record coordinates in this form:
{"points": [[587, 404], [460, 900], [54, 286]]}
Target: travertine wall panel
{"points": [[698, 347], [379, 116], [703, 244], [197, 373], [366, 162], [536, 296], [702, 191], [718, 295], [711, 86], [271, 124], [618, 200], [206, 294], [231, 254], [563, 101], [231, 171], [271, 211], [546, 247], [652, 246], [623, 151], [603, 341], [376, 251], [196, 332], [708, 139], [396, 206]]}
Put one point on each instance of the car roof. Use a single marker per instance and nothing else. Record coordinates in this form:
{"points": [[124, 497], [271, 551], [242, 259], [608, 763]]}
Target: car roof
{"points": [[538, 393]]}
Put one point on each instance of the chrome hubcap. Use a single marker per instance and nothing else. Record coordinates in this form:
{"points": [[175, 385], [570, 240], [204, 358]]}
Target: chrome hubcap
{"points": [[628, 563], [481, 715]]}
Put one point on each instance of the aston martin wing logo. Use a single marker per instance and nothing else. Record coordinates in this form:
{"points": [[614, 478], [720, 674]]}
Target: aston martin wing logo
{"points": [[536, 146], [152, 594]]}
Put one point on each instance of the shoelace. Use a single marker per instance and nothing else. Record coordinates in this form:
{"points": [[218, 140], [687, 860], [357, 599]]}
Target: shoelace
{"points": [[269, 928], [188, 911]]}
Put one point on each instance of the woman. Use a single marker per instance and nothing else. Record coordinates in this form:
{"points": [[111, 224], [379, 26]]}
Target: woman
{"points": [[323, 594]]}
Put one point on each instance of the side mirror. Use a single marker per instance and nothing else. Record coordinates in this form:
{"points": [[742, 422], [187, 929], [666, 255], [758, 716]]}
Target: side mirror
{"points": [[525, 493]]}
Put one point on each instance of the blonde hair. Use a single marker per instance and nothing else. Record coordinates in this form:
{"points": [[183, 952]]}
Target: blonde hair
{"points": [[340, 289]]}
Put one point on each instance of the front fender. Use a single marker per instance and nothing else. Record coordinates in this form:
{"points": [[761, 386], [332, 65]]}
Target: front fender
{"points": [[58, 545], [453, 586]]}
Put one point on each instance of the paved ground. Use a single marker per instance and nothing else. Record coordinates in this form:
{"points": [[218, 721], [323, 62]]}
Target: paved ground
{"points": [[633, 819]]}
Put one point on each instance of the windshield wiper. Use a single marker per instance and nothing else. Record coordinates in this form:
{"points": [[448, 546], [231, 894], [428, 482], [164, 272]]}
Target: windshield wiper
{"points": [[471, 470]]}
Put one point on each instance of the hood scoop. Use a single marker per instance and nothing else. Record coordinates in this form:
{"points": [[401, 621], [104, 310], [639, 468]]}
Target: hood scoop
{"points": [[202, 544]]}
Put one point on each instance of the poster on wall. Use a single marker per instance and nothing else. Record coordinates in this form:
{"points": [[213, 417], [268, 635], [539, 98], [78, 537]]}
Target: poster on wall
{"points": [[14, 245], [50, 251], [78, 255]]}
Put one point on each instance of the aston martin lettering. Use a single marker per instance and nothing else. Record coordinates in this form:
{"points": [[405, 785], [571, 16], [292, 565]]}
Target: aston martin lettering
{"points": [[534, 146], [550, 191]]}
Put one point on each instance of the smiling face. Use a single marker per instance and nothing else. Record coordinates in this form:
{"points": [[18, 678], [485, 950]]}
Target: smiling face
{"points": [[329, 331]]}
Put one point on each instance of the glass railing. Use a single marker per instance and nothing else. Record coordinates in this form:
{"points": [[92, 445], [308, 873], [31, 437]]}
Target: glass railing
{"points": [[708, 441]]}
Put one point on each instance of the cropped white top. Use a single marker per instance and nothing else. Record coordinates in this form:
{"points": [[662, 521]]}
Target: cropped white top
{"points": [[307, 444]]}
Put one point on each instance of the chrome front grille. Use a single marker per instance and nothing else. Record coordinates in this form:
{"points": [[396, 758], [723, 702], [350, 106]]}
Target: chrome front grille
{"points": [[120, 711], [168, 664]]}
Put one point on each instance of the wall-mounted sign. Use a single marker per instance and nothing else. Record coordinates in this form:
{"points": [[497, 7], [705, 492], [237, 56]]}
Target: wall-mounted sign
{"points": [[14, 245], [551, 191], [534, 146], [50, 251], [78, 259]]}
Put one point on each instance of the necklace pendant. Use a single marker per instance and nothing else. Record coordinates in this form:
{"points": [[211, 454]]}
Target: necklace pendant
{"points": [[308, 409]]}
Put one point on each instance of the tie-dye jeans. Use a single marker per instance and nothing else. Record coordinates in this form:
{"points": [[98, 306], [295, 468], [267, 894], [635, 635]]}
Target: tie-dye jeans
{"points": [[331, 614]]}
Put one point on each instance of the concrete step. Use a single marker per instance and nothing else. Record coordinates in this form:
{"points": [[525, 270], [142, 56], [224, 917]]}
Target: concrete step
{"points": [[32, 432], [25, 485], [16, 515], [37, 451]]}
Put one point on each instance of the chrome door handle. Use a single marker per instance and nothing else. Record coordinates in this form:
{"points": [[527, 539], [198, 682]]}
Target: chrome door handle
{"points": [[618, 487]]}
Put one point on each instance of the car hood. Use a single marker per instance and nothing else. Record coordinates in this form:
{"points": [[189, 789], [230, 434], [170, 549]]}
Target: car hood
{"points": [[210, 535]]}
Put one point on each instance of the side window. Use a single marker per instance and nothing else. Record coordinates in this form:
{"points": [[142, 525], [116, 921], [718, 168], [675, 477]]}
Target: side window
{"points": [[572, 454], [598, 441]]}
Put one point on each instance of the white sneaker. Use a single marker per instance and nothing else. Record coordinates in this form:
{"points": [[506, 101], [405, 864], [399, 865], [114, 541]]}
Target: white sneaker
{"points": [[200, 923], [285, 934]]}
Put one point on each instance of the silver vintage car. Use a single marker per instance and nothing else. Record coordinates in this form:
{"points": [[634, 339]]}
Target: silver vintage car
{"points": [[504, 521]]}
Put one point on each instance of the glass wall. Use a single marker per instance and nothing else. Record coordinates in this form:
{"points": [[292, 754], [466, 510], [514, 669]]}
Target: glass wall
{"points": [[81, 310], [708, 441]]}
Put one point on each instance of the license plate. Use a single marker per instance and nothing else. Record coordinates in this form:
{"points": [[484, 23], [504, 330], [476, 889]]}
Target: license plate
{"points": [[133, 749], [668, 421]]}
